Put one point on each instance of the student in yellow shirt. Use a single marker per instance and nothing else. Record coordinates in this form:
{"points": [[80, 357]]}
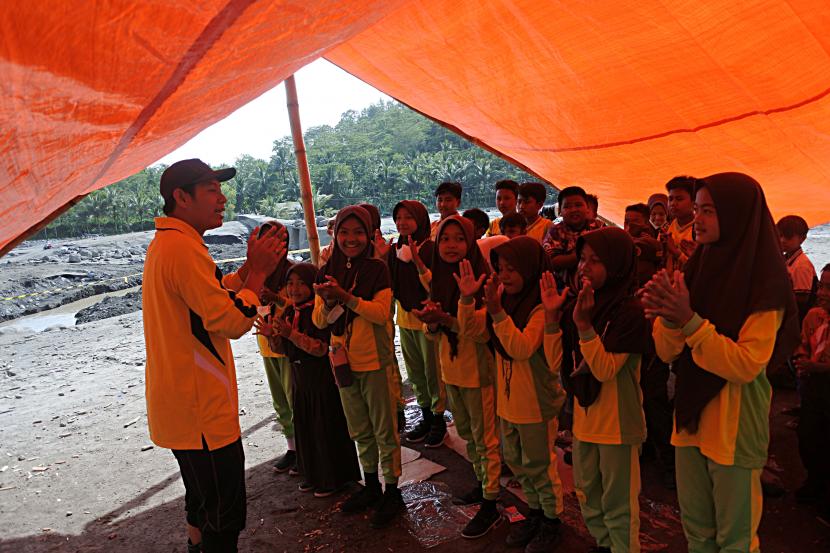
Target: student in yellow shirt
{"points": [[466, 361], [447, 201], [507, 196], [532, 197], [603, 345], [410, 289], [354, 300], [277, 366], [721, 324], [680, 241], [529, 394]]}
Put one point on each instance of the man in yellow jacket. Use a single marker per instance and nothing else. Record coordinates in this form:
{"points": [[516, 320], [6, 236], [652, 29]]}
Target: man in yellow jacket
{"points": [[190, 314]]}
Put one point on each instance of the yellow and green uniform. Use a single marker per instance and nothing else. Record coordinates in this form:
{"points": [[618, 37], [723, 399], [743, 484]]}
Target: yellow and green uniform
{"points": [[190, 315], [607, 438], [719, 466], [539, 228], [529, 398], [367, 403], [469, 383], [678, 234]]}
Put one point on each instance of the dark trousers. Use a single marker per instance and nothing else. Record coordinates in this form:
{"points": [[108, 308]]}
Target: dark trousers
{"points": [[214, 483], [658, 409]]}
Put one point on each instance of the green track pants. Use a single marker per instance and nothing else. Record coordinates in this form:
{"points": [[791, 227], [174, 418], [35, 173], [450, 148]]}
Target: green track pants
{"points": [[607, 482], [474, 411], [423, 369], [531, 455], [278, 372], [720, 506], [372, 420]]}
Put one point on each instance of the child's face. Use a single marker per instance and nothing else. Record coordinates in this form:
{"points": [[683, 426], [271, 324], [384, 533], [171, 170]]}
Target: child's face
{"points": [[479, 232], [575, 211], [823, 293], [635, 223], [529, 207], [591, 267], [351, 237], [510, 278], [512, 231], [447, 204], [791, 243], [452, 246], [298, 291], [505, 201], [680, 204], [707, 227], [658, 216], [405, 222]]}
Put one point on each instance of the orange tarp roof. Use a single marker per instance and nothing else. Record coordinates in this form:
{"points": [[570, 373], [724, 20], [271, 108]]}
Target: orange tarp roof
{"points": [[615, 96]]}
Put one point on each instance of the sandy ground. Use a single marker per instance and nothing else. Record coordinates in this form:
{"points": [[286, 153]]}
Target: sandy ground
{"points": [[78, 473]]}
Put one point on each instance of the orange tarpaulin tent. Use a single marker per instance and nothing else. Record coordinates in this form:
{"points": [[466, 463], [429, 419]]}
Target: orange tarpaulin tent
{"points": [[617, 96]]}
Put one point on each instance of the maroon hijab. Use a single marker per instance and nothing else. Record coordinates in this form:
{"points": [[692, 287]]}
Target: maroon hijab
{"points": [[406, 283]]}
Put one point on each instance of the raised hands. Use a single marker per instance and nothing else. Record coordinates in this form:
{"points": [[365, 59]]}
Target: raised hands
{"points": [[331, 291], [262, 327], [416, 255], [380, 244], [468, 284], [667, 296], [432, 314], [266, 251], [584, 307], [493, 290], [551, 299]]}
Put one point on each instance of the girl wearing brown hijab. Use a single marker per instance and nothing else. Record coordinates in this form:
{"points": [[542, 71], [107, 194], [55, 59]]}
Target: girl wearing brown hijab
{"points": [[466, 360], [605, 334], [353, 301], [529, 395], [410, 287], [722, 323]]}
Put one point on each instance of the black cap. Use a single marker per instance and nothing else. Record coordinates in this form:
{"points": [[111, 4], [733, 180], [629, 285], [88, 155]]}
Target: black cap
{"points": [[190, 171]]}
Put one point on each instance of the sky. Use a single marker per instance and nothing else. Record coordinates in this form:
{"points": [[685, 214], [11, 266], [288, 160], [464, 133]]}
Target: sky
{"points": [[325, 91]]}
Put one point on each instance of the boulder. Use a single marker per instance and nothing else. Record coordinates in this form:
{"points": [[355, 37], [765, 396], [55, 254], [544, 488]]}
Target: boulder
{"points": [[232, 232]]}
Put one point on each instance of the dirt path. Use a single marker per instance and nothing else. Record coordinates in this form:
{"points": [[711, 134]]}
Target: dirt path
{"points": [[75, 475]]}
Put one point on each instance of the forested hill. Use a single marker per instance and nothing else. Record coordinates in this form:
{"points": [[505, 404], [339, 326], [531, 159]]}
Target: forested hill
{"points": [[382, 154]]}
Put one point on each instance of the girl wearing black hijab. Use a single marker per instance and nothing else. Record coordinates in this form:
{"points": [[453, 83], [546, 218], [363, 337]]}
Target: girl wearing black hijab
{"points": [[326, 455], [466, 361], [529, 394], [722, 323], [604, 340], [354, 301], [410, 287]]}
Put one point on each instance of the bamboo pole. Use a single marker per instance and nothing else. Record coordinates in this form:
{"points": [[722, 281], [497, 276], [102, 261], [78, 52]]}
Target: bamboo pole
{"points": [[302, 169]]}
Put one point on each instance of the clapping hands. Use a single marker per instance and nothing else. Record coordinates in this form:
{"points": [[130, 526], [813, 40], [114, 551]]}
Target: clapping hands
{"points": [[667, 296]]}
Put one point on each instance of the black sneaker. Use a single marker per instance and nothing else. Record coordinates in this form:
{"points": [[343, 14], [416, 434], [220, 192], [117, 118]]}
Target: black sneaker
{"points": [[471, 497], [193, 547], [324, 492], [359, 501], [438, 432], [486, 518], [546, 536], [286, 462], [390, 505], [523, 531], [305, 486], [421, 429]]}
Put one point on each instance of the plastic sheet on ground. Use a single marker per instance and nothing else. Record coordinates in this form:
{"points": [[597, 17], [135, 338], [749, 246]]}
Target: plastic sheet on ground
{"points": [[431, 516]]}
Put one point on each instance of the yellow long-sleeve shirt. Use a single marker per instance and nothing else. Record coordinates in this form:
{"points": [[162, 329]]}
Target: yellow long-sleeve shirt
{"points": [[189, 318], [734, 426], [494, 228], [616, 416], [474, 365], [368, 347], [535, 394], [539, 228]]}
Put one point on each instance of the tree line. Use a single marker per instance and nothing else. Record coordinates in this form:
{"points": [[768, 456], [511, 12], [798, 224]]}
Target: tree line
{"points": [[381, 154]]}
